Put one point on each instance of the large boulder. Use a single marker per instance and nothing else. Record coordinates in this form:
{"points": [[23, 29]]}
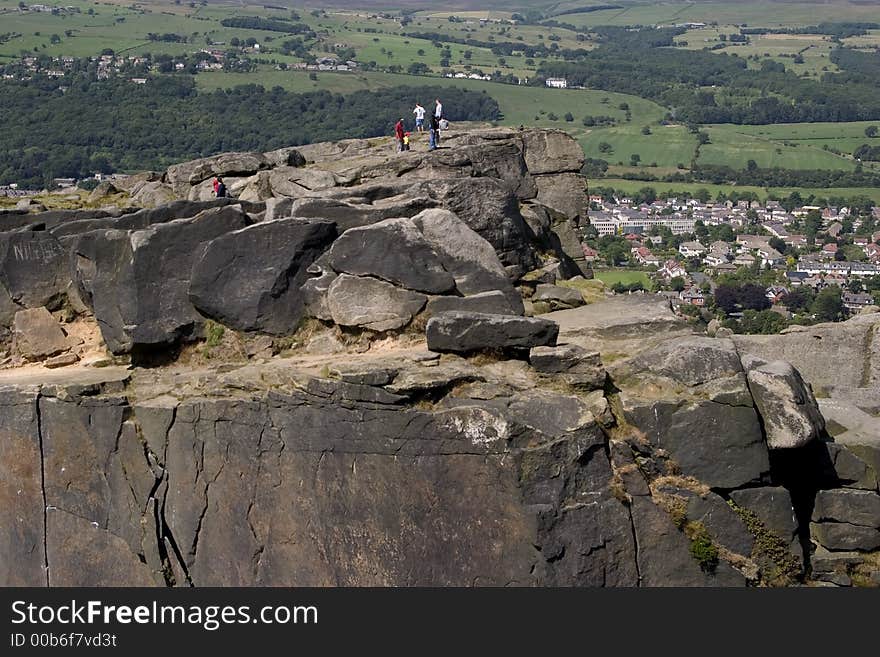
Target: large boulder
{"points": [[227, 164], [557, 234], [551, 151], [624, 324], [393, 250], [463, 332], [37, 334], [347, 214], [372, 304], [854, 507], [249, 279], [152, 194], [692, 367], [33, 268], [786, 404], [145, 217], [287, 156], [845, 365], [494, 302], [491, 209], [565, 193], [138, 282], [470, 259], [297, 182], [559, 298]]}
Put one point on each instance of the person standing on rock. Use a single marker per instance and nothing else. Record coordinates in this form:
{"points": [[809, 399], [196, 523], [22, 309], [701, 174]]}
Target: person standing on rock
{"points": [[420, 111], [438, 109], [434, 134], [398, 134], [220, 190], [216, 184]]}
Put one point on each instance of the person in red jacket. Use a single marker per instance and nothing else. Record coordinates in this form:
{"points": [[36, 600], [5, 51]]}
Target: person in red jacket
{"points": [[398, 133]]}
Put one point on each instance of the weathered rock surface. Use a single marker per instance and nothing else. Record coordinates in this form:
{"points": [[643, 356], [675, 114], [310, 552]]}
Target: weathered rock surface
{"points": [[773, 507], [786, 404], [551, 151], [491, 210], [138, 282], [558, 297], [574, 364], [37, 334], [304, 484], [622, 324], [470, 259], [689, 368], [494, 302], [393, 250], [465, 331], [663, 552], [371, 303], [33, 268], [719, 444], [565, 193], [855, 507], [249, 279], [225, 165]]}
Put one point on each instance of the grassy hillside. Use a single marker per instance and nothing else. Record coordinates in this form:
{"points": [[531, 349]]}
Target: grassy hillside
{"points": [[520, 104]]}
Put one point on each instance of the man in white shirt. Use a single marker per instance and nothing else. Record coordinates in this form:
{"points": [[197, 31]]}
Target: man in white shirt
{"points": [[419, 111], [438, 109]]}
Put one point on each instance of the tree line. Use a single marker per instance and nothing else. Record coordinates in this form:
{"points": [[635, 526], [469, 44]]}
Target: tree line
{"points": [[114, 125], [704, 87]]}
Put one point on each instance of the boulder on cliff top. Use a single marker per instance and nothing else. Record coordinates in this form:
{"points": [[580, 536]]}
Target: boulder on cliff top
{"points": [[551, 151], [249, 279], [393, 250], [138, 282], [494, 302], [463, 332], [226, 164], [786, 404], [466, 255], [492, 211]]}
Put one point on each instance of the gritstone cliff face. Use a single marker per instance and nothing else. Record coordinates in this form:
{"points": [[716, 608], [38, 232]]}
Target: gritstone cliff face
{"points": [[347, 375]]}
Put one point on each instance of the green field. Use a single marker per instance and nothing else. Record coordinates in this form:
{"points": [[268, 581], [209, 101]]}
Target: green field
{"points": [[519, 104], [632, 186], [667, 146], [726, 13], [734, 148], [625, 276]]}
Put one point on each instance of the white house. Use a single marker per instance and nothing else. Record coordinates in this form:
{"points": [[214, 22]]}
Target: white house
{"points": [[557, 83], [691, 249]]}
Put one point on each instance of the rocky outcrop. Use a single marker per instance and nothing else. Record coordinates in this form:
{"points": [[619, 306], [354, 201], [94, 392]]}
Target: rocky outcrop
{"points": [[372, 407], [138, 281]]}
